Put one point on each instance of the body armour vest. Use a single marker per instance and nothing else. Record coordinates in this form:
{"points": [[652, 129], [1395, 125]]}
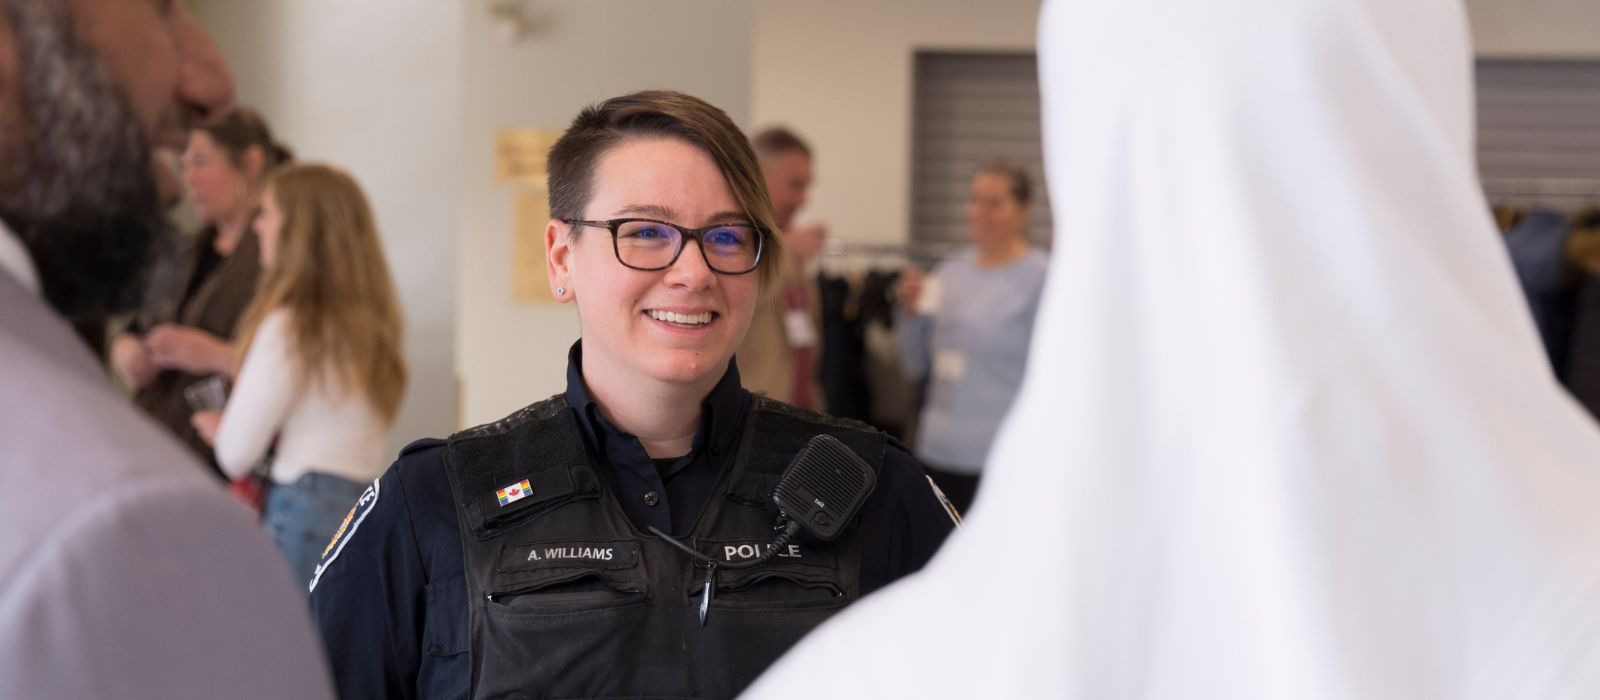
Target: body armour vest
{"points": [[568, 600]]}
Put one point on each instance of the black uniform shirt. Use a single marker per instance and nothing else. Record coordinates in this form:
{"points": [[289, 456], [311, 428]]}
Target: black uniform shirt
{"points": [[668, 493], [390, 594]]}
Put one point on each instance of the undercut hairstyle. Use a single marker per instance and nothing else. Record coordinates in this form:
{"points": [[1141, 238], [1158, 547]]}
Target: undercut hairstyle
{"points": [[775, 141], [331, 278], [661, 114], [1018, 182]]}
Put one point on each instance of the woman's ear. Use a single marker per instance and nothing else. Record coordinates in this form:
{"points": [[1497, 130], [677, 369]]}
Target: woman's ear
{"points": [[558, 259], [254, 162]]}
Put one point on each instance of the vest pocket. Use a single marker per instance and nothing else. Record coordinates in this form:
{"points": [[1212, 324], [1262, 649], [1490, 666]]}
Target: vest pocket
{"points": [[774, 589], [571, 635], [755, 617], [573, 591]]}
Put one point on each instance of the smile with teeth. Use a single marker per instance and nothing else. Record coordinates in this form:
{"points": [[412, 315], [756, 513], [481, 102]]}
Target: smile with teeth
{"points": [[677, 319]]}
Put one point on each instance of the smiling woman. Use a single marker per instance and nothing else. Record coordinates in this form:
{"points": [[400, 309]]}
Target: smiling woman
{"points": [[520, 554], [624, 309]]}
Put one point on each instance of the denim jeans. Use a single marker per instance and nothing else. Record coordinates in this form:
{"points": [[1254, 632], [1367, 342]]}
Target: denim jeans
{"points": [[301, 517]]}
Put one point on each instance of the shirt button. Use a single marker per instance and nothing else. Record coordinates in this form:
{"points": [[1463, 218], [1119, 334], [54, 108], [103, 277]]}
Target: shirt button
{"points": [[651, 498]]}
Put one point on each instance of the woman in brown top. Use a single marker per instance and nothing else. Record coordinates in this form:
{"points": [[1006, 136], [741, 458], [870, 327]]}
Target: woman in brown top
{"points": [[189, 337]]}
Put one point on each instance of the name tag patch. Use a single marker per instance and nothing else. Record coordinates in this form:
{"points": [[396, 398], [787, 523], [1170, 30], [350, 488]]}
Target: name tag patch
{"points": [[620, 554], [794, 552]]}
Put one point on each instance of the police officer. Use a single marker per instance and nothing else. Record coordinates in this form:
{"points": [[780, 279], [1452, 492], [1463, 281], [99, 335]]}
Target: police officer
{"points": [[516, 559]]}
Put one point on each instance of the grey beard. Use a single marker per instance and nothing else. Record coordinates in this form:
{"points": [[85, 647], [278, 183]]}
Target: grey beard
{"points": [[77, 185]]}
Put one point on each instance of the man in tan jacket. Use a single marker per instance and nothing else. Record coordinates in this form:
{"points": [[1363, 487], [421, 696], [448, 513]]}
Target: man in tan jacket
{"points": [[780, 352]]}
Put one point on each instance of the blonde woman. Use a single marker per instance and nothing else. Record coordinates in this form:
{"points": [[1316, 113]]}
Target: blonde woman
{"points": [[320, 373]]}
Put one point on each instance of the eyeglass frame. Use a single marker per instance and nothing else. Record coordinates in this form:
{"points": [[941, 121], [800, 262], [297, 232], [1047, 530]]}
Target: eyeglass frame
{"points": [[686, 233]]}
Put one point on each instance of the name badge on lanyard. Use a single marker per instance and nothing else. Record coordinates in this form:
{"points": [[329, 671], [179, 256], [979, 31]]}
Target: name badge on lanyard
{"points": [[797, 325], [949, 365]]}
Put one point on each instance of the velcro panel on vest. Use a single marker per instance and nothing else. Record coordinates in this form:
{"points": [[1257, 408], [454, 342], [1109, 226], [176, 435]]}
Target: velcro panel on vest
{"points": [[542, 447], [784, 431], [543, 487], [755, 489]]}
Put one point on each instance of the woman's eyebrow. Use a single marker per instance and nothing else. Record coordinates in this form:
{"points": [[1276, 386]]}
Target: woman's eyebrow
{"points": [[726, 216], [654, 210]]}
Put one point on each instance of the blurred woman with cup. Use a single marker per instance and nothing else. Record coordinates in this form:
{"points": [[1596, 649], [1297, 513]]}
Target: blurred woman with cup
{"points": [[320, 371], [189, 338], [965, 330]]}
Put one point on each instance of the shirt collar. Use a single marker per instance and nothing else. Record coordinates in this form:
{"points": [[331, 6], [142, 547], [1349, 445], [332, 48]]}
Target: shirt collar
{"points": [[15, 260], [722, 410]]}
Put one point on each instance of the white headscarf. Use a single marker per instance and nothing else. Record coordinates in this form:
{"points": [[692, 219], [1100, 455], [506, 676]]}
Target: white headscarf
{"points": [[1287, 430]]}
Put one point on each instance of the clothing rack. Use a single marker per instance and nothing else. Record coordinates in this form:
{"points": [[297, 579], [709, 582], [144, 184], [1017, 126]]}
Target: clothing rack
{"points": [[924, 253], [1572, 190]]}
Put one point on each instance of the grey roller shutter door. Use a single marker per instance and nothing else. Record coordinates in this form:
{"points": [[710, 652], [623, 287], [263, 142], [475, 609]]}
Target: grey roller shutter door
{"points": [[968, 109], [1539, 132]]}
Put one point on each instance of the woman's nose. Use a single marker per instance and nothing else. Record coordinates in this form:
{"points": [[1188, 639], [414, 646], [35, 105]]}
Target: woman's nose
{"points": [[690, 269]]}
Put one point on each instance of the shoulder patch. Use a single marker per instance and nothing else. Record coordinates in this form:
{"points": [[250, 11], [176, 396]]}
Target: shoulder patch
{"points": [[768, 404], [541, 410], [352, 520], [955, 516]]}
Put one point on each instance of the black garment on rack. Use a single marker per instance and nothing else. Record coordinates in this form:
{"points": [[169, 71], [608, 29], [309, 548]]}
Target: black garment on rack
{"points": [[846, 369], [844, 383], [1582, 371], [1565, 306], [878, 297], [1537, 244]]}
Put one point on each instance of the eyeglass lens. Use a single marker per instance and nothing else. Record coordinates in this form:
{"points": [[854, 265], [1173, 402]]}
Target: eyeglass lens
{"points": [[651, 245]]}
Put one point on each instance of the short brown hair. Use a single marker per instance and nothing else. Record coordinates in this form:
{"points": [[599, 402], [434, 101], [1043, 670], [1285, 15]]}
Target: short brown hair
{"points": [[774, 140], [239, 129], [660, 114], [1019, 184]]}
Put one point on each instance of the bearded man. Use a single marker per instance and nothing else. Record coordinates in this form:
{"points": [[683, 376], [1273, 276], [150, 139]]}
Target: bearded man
{"points": [[124, 571]]}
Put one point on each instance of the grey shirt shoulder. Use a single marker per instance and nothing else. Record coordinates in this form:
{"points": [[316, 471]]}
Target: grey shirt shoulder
{"points": [[126, 571]]}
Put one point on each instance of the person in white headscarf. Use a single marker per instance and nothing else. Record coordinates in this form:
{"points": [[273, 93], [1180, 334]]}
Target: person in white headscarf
{"points": [[1287, 431]]}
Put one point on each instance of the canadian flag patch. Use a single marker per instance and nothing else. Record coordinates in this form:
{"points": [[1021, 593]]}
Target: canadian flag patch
{"points": [[513, 493]]}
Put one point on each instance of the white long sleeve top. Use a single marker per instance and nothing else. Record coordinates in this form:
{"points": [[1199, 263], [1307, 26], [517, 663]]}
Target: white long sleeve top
{"points": [[320, 426]]}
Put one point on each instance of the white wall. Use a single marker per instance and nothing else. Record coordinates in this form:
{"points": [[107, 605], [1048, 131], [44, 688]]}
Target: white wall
{"points": [[839, 72], [409, 94], [1536, 28], [373, 86], [511, 354]]}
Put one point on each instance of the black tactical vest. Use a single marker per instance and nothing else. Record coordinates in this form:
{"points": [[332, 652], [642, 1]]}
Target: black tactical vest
{"points": [[569, 600]]}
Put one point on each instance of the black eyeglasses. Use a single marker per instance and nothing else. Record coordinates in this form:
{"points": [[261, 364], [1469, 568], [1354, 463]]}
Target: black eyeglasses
{"points": [[650, 245]]}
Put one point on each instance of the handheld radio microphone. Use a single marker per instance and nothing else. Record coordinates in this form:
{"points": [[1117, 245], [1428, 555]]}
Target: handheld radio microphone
{"points": [[824, 487]]}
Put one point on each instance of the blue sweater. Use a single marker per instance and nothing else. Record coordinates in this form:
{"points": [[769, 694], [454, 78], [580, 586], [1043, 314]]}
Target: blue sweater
{"points": [[973, 350]]}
